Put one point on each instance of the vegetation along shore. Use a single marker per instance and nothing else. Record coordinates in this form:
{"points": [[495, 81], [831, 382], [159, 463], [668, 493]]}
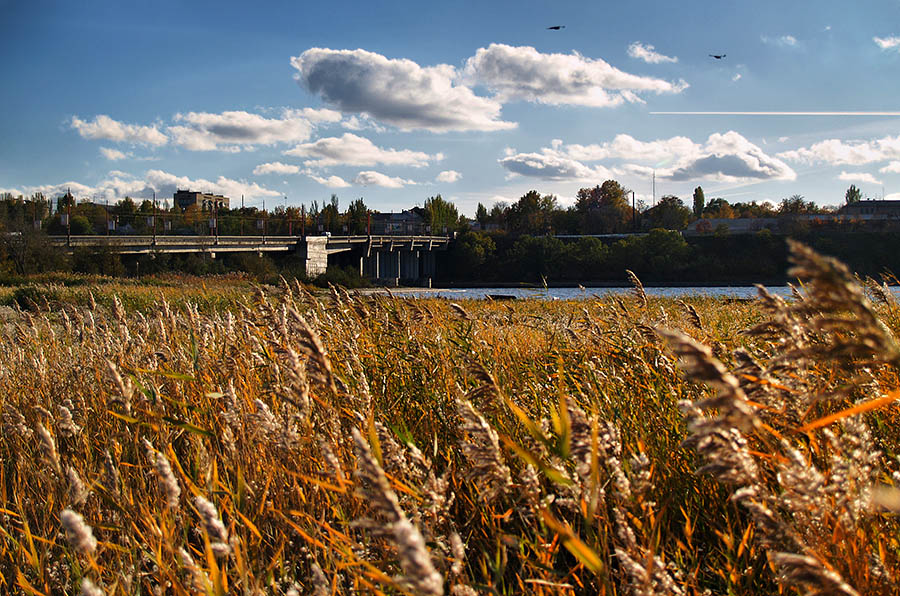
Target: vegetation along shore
{"points": [[175, 440]]}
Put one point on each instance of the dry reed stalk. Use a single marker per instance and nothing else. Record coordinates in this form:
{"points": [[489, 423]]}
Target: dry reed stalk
{"points": [[481, 447], [167, 481], [419, 571], [89, 589], [215, 529], [78, 534]]}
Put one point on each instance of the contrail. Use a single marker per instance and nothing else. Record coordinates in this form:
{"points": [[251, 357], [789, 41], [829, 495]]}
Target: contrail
{"points": [[777, 113]]}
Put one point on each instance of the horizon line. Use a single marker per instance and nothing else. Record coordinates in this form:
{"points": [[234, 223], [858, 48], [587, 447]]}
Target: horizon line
{"points": [[777, 113]]}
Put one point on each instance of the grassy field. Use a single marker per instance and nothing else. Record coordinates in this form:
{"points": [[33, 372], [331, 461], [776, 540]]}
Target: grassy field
{"points": [[168, 438]]}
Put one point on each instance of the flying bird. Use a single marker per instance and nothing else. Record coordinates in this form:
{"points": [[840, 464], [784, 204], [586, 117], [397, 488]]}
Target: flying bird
{"points": [[557, 27], [717, 56]]}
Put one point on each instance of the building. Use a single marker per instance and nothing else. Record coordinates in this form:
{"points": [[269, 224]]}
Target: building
{"points": [[872, 210], [204, 201], [404, 223]]}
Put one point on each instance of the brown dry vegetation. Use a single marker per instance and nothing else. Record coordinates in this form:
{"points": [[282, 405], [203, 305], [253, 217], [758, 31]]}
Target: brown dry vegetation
{"points": [[281, 443]]}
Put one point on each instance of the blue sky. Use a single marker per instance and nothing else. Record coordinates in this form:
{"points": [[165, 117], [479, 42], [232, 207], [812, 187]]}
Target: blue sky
{"points": [[398, 101]]}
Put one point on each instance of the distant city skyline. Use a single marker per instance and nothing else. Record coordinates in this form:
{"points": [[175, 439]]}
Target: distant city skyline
{"points": [[400, 101]]}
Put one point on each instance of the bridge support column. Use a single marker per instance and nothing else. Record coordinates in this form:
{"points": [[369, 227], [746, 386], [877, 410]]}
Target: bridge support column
{"points": [[314, 254]]}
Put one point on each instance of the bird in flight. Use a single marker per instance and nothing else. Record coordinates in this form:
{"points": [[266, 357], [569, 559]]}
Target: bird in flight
{"points": [[717, 56], [557, 27]]}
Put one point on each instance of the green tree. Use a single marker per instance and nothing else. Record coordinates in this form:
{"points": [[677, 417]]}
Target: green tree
{"points": [[357, 217], [441, 215], [481, 214], [532, 213], [795, 205], [853, 195], [330, 217], [670, 213], [699, 202], [471, 251]]}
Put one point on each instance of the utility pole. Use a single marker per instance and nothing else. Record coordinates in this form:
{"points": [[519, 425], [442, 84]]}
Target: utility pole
{"points": [[303, 221], [154, 218], [68, 218], [107, 217], [242, 215], [633, 214]]}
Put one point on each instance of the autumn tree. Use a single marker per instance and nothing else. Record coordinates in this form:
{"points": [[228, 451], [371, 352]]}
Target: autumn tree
{"points": [[604, 209]]}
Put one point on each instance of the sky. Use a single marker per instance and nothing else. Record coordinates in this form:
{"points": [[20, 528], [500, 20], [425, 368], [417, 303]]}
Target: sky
{"points": [[394, 102]]}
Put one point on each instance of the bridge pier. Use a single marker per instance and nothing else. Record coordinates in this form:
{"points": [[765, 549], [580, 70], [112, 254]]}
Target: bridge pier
{"points": [[312, 251]]}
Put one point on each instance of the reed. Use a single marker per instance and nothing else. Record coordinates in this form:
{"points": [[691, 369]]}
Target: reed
{"points": [[233, 439]]}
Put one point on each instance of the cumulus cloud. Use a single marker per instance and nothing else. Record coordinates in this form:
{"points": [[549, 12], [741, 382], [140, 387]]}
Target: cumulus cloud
{"points": [[648, 53], [448, 176], [730, 157], [353, 150], [626, 147], [113, 154], [166, 184], [551, 164], [104, 127], [888, 43], [858, 177], [396, 91], [118, 184], [370, 178], [331, 181], [853, 153], [891, 168], [321, 115], [275, 167], [203, 131], [523, 73], [785, 41], [724, 157]]}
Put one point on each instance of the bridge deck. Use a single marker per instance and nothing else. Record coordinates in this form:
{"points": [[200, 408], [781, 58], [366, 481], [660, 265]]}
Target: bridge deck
{"points": [[214, 244]]}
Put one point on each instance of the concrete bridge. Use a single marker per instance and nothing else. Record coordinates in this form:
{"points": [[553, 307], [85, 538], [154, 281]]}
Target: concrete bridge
{"points": [[388, 259]]}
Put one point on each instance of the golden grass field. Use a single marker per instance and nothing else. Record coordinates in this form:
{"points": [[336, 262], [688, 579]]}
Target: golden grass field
{"points": [[163, 437]]}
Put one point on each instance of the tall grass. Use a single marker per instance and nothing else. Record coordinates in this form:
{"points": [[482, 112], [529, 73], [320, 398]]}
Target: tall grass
{"points": [[279, 442]]}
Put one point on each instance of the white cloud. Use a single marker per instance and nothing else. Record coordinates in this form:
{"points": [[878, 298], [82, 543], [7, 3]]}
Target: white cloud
{"points": [[331, 181], [104, 127], [319, 115], [119, 184], [275, 167], [787, 41], [730, 157], [523, 73], [166, 184], [370, 178], [648, 53], [858, 177], [448, 176], [853, 153], [551, 164], [362, 122], [888, 43], [626, 147], [113, 154], [353, 150], [230, 131], [891, 168], [724, 157], [397, 92]]}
